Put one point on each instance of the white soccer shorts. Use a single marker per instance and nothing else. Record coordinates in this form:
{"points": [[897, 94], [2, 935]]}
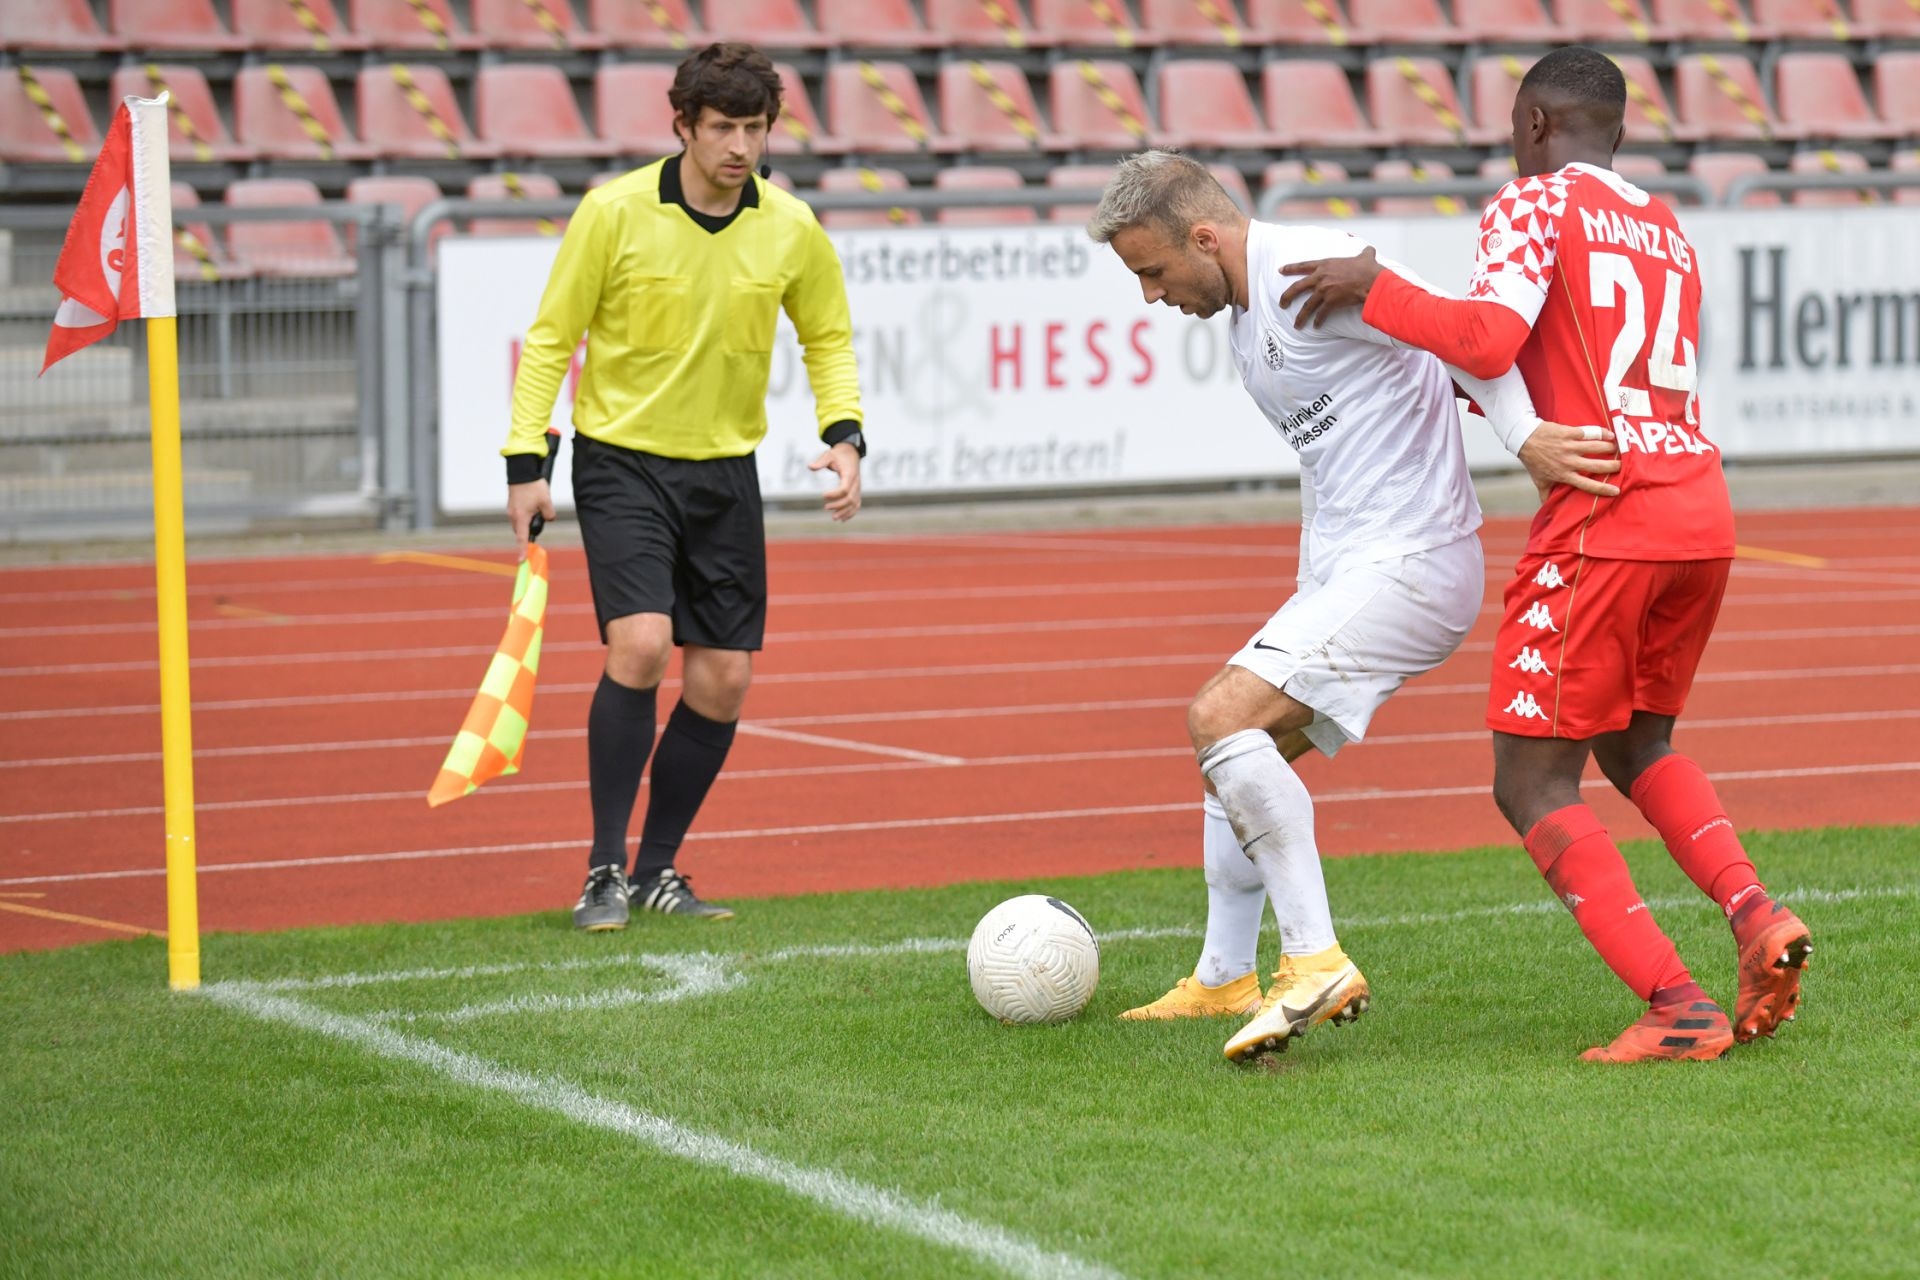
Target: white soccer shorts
{"points": [[1343, 646]]}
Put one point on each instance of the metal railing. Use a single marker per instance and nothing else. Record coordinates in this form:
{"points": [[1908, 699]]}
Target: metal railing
{"points": [[1467, 187]]}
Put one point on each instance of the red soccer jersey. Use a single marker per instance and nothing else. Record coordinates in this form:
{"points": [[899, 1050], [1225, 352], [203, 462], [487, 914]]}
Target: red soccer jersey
{"points": [[1599, 271]]}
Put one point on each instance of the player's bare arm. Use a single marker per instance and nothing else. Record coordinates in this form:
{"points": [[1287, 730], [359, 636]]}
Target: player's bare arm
{"points": [[524, 501], [1558, 454], [1329, 284]]}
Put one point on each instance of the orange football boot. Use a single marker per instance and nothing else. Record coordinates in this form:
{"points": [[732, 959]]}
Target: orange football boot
{"points": [[1690, 1030], [1774, 948]]}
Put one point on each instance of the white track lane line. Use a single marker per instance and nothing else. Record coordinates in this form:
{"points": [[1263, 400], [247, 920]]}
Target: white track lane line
{"points": [[768, 728], [847, 744], [862, 1202], [902, 824]]}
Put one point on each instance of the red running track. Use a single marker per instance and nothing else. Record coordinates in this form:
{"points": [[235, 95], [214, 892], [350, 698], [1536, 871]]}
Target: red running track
{"points": [[928, 710]]}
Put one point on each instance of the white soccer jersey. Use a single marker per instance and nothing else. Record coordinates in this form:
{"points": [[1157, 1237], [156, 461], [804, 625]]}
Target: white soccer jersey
{"points": [[1383, 472]]}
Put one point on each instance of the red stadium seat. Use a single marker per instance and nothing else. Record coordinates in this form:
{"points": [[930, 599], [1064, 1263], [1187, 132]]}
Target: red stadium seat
{"points": [[1097, 105], [1234, 183], [284, 248], [1819, 94], [289, 113], [1650, 116], [876, 106], [1614, 21], [173, 24], [313, 27], [1093, 177], [515, 186], [646, 24], [770, 24], [66, 25], [407, 193], [1202, 22], [1896, 87], [1719, 95], [1885, 19], [1204, 102], [1310, 22], [29, 135], [199, 256], [1718, 169], [1412, 102], [982, 178], [1806, 20], [866, 180], [1709, 20], [409, 24], [196, 133], [798, 130], [1492, 83], [1417, 206], [409, 111], [1507, 22], [1311, 104], [1906, 162], [982, 23], [630, 102], [527, 109], [873, 24], [1292, 171], [1089, 23], [988, 106], [531, 24], [1824, 161], [1405, 21]]}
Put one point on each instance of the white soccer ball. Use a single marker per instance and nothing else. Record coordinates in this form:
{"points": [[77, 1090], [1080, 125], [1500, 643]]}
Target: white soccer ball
{"points": [[1033, 959]]}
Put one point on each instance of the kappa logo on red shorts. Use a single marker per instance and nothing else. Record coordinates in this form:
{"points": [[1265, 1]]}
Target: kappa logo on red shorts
{"points": [[1530, 662], [1538, 615], [1524, 706], [1549, 576]]}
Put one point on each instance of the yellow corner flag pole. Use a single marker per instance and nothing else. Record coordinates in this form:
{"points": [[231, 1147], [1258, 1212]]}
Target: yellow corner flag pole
{"points": [[154, 231], [176, 701]]}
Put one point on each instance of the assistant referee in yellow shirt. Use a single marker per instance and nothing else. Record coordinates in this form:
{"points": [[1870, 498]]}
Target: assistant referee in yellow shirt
{"points": [[676, 273]]}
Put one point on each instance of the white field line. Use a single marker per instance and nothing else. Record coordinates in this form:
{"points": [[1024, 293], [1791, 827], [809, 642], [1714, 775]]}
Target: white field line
{"points": [[849, 1197], [1202, 661], [847, 744], [771, 728], [722, 961], [898, 824]]}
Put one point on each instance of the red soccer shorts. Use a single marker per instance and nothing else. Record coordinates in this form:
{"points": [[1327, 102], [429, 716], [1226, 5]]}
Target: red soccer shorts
{"points": [[1586, 643]]}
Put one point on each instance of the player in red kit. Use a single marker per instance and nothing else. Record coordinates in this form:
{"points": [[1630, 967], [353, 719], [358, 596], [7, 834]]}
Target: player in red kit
{"points": [[1587, 283]]}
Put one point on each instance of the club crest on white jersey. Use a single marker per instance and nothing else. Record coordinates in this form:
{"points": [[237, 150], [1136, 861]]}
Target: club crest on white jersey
{"points": [[1530, 662], [1538, 616], [1524, 706], [1549, 576]]}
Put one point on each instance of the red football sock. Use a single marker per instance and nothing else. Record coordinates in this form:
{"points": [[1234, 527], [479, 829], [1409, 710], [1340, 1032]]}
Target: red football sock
{"points": [[1678, 800], [1585, 869]]}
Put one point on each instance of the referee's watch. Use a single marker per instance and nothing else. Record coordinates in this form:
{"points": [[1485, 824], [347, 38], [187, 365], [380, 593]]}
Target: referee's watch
{"points": [[845, 433]]}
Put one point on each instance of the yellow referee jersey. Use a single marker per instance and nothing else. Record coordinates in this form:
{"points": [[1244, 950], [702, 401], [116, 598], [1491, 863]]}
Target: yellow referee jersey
{"points": [[680, 318]]}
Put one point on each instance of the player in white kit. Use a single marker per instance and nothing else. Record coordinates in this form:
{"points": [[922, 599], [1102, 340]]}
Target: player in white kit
{"points": [[1390, 576]]}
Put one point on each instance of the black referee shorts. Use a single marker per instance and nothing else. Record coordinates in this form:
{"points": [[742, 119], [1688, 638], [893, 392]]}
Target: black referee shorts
{"points": [[676, 536]]}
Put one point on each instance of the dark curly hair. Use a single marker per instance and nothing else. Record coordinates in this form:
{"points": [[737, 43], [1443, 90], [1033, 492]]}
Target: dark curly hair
{"points": [[734, 79]]}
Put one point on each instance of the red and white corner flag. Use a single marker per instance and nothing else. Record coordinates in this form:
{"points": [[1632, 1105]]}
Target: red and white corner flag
{"points": [[117, 262]]}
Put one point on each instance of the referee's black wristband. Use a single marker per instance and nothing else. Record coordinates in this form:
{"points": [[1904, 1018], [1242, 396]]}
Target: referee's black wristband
{"points": [[848, 431], [525, 468]]}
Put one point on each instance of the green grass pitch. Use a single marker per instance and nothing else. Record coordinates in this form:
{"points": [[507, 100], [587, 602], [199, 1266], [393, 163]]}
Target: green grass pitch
{"points": [[810, 1091]]}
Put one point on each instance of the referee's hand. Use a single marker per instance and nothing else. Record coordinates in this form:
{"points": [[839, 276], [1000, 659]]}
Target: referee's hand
{"points": [[843, 500], [523, 500]]}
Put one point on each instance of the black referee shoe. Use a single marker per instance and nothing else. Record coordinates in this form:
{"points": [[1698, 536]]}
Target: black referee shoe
{"points": [[603, 900], [670, 894]]}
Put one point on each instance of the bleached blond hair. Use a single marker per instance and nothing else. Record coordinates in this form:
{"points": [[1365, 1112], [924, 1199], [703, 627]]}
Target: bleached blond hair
{"points": [[1162, 189]]}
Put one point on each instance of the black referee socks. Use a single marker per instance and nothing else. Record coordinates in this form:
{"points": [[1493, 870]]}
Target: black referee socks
{"points": [[620, 728], [691, 752]]}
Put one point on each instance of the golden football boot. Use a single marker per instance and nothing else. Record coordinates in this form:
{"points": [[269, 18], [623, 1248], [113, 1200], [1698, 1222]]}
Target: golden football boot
{"points": [[1192, 998], [1306, 991]]}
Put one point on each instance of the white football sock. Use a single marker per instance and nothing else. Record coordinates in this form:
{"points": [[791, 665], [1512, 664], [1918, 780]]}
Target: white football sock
{"points": [[1236, 900], [1272, 815]]}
